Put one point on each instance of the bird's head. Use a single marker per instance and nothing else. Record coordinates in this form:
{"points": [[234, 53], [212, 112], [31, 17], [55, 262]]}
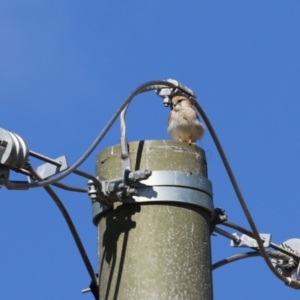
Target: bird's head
{"points": [[180, 102]]}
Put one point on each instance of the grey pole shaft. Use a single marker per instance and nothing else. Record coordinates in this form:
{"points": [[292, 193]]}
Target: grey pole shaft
{"points": [[154, 251]]}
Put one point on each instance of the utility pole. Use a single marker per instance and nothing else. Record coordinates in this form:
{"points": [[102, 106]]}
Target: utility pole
{"points": [[155, 244]]}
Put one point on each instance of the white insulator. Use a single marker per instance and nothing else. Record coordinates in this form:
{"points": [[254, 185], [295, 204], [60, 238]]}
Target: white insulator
{"points": [[13, 149]]}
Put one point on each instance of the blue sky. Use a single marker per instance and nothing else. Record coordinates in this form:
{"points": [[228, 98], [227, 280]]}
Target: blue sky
{"points": [[65, 67]]}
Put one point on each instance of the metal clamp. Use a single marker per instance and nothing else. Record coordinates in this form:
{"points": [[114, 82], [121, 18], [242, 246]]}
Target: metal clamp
{"points": [[179, 90], [165, 186], [51, 168], [119, 188]]}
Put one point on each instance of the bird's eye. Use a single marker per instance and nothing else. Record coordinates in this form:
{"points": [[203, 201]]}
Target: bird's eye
{"points": [[180, 100]]}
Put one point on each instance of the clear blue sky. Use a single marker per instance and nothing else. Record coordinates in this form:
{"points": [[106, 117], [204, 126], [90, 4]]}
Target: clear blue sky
{"points": [[65, 67]]}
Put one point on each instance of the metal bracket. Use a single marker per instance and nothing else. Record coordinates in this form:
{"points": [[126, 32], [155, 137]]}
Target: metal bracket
{"points": [[49, 169], [167, 93], [120, 188], [219, 216], [117, 189], [93, 288], [247, 241]]}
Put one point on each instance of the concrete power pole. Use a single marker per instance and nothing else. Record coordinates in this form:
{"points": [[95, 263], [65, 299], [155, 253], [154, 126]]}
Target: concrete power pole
{"points": [[155, 245]]}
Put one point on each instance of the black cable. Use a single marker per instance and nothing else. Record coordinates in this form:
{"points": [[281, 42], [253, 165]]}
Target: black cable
{"points": [[71, 226], [142, 87], [124, 111], [70, 188], [273, 254], [239, 193], [227, 235], [234, 258], [238, 227], [88, 176], [286, 251], [57, 184], [59, 164]]}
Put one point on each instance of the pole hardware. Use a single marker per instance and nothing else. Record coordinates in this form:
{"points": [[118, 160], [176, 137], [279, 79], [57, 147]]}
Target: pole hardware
{"points": [[178, 90], [116, 189], [160, 187], [120, 188], [13, 149], [289, 267], [247, 241], [14, 155], [93, 288], [285, 259], [219, 217], [94, 193], [52, 167]]}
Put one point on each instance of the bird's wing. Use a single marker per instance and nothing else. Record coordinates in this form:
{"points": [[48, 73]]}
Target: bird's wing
{"points": [[196, 114], [170, 117]]}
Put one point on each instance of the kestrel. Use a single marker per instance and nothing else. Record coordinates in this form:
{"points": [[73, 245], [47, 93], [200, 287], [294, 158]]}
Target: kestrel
{"points": [[184, 123]]}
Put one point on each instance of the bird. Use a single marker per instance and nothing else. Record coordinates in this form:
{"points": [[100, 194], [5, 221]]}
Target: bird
{"points": [[184, 123]]}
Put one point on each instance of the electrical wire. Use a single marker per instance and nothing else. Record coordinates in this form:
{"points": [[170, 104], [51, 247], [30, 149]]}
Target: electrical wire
{"points": [[144, 87], [71, 226], [232, 179], [70, 187], [57, 184], [227, 235], [139, 89], [238, 227], [88, 176], [234, 184], [124, 111], [124, 148], [273, 254], [59, 164], [239, 193], [234, 258]]}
